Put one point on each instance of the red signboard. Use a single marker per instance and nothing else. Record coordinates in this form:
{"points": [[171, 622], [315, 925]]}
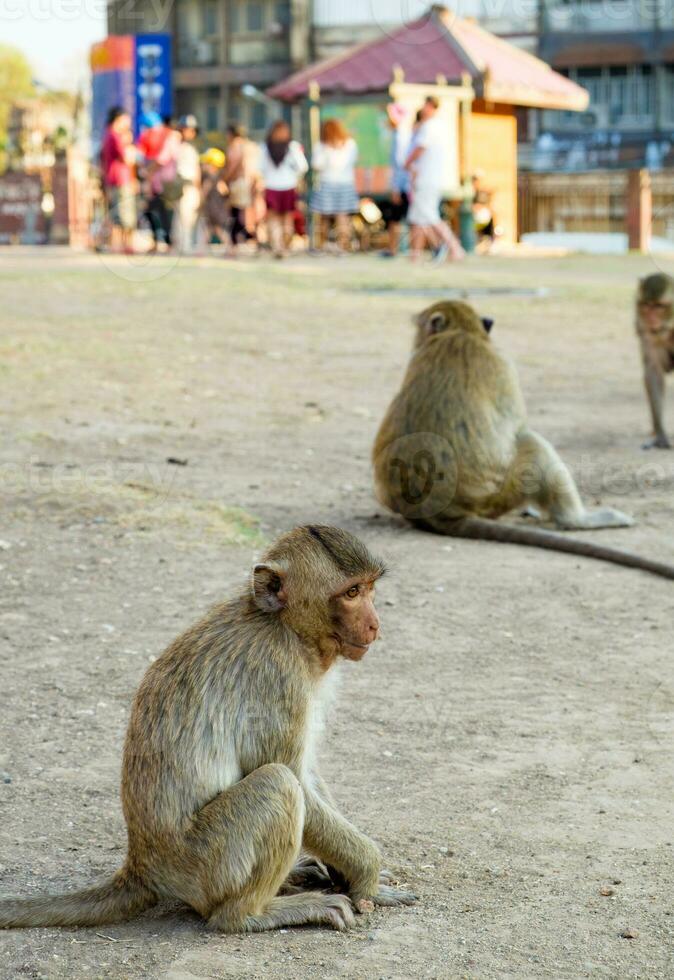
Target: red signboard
{"points": [[20, 207]]}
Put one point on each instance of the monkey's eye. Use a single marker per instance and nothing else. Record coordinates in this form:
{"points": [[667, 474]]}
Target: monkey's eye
{"points": [[353, 592]]}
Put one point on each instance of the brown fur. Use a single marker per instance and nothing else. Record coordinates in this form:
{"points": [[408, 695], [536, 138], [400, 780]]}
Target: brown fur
{"points": [[655, 329], [455, 452], [220, 787]]}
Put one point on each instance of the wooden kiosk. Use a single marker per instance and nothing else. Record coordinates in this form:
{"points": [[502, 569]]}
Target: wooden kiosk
{"points": [[483, 84]]}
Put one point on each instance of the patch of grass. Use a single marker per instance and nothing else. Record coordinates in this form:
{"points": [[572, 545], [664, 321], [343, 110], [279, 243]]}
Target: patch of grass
{"points": [[135, 506]]}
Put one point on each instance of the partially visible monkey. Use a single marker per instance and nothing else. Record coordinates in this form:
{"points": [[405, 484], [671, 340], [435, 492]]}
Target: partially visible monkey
{"points": [[455, 452], [655, 327], [220, 785]]}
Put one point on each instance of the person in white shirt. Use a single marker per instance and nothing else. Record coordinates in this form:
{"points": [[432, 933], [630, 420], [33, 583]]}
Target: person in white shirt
{"points": [[334, 161], [188, 168], [282, 165], [427, 164]]}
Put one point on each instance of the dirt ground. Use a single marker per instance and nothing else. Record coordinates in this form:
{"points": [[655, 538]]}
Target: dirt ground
{"points": [[508, 743]]}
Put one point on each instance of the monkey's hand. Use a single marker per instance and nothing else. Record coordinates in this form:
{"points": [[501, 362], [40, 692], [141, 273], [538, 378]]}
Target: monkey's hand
{"points": [[659, 442]]}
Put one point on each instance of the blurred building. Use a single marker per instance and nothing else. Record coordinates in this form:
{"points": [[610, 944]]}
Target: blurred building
{"points": [[39, 128], [623, 54], [221, 45]]}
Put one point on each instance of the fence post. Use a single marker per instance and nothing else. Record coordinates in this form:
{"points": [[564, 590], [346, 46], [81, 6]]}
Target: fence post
{"points": [[639, 210]]}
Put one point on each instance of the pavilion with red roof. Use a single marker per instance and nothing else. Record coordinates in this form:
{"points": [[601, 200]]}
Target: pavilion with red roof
{"points": [[483, 83]]}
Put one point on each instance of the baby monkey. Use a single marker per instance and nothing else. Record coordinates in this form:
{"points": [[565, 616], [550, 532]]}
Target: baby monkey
{"points": [[655, 328], [220, 783]]}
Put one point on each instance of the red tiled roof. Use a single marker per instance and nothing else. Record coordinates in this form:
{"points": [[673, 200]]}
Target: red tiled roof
{"points": [[420, 49], [510, 74], [438, 44]]}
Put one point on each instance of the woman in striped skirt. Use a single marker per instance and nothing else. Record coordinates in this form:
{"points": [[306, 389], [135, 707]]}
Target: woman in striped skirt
{"points": [[334, 161]]}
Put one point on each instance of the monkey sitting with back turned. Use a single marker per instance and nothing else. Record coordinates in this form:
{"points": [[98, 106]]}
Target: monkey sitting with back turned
{"points": [[455, 451], [220, 785], [655, 329]]}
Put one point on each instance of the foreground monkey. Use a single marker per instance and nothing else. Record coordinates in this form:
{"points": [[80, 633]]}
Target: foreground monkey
{"points": [[455, 452], [220, 787], [655, 328]]}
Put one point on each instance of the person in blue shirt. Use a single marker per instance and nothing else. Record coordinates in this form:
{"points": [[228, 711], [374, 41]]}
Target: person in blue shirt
{"points": [[396, 212]]}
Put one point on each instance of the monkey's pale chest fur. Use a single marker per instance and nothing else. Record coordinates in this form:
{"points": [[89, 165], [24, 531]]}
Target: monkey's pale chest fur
{"points": [[237, 746], [323, 698]]}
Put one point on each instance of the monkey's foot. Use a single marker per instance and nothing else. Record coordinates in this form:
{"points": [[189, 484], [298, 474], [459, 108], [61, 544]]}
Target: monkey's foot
{"points": [[390, 897], [659, 442], [309, 874], [608, 517], [309, 908], [594, 520], [386, 897]]}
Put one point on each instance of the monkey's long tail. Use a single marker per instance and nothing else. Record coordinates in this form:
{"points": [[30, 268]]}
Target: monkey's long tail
{"points": [[121, 897], [482, 529]]}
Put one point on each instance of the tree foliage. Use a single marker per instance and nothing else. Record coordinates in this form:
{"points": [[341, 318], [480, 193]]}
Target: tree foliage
{"points": [[16, 82]]}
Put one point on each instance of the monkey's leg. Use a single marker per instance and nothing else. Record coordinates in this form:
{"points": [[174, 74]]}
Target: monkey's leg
{"points": [[543, 478], [331, 837], [654, 380], [239, 850]]}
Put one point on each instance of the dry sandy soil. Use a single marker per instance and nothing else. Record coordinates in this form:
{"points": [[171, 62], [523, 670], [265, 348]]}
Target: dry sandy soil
{"points": [[508, 743]]}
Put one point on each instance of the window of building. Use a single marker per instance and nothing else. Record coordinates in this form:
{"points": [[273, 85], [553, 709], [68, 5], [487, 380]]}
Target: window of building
{"points": [[621, 96], [258, 116], [182, 21], [234, 110], [234, 13], [282, 13], [212, 116], [250, 16], [254, 17], [210, 18]]}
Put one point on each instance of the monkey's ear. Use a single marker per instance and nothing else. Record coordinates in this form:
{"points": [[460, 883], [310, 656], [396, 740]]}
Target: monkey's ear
{"points": [[436, 323], [269, 588]]}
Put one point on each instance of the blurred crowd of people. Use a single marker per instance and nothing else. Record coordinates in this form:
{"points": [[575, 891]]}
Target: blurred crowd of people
{"points": [[246, 196]]}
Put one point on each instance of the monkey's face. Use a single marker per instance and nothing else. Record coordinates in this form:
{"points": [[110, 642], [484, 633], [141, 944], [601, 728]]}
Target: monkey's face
{"points": [[320, 580], [655, 316], [354, 618], [449, 315], [654, 302]]}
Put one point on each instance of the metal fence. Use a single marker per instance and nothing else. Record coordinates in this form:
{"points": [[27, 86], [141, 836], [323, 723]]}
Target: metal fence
{"points": [[589, 202]]}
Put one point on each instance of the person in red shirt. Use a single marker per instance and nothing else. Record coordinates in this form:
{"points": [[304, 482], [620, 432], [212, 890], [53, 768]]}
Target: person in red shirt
{"points": [[159, 144], [117, 159]]}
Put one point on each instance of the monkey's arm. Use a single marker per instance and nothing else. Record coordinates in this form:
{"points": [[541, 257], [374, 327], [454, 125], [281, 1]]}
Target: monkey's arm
{"points": [[329, 836], [323, 790], [654, 380]]}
